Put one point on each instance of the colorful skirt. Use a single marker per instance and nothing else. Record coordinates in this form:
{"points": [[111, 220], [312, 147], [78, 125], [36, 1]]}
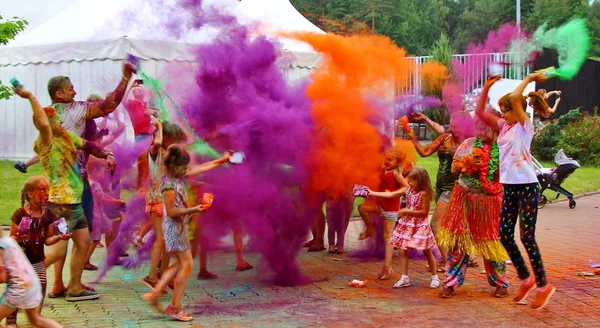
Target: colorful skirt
{"points": [[413, 233], [472, 223]]}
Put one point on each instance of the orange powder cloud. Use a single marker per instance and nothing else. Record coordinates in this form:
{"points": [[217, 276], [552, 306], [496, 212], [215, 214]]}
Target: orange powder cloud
{"points": [[355, 69], [433, 76]]}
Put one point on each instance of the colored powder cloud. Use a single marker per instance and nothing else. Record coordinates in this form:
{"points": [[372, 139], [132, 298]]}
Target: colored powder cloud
{"points": [[242, 101], [349, 143]]}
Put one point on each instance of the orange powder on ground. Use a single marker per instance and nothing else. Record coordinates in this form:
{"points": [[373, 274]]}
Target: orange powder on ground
{"points": [[349, 148]]}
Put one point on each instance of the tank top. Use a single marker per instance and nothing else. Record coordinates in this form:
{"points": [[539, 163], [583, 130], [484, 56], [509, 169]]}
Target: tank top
{"points": [[445, 179], [388, 182], [155, 167]]}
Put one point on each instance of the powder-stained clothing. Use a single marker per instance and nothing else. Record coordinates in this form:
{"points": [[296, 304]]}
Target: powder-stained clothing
{"points": [[156, 174], [34, 246], [73, 118], [23, 289], [175, 230], [516, 163], [61, 166]]}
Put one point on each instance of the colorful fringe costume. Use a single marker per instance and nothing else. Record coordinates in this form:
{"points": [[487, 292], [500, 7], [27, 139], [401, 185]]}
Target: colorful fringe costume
{"points": [[471, 223]]}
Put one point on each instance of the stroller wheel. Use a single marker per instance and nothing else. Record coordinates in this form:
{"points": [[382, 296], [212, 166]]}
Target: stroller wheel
{"points": [[542, 202], [572, 204]]}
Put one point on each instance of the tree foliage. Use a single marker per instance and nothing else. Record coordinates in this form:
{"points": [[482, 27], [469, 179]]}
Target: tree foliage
{"points": [[8, 30], [416, 25]]}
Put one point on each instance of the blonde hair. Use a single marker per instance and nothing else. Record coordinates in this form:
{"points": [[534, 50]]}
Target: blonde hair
{"points": [[536, 100], [30, 185], [421, 177]]}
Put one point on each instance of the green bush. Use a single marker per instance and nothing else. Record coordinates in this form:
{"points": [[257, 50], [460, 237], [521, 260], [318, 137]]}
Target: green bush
{"points": [[545, 142], [581, 140]]}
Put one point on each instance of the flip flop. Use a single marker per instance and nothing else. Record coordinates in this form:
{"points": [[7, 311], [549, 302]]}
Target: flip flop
{"points": [[61, 294]]}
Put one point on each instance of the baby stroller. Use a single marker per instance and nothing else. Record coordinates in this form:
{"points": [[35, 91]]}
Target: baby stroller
{"points": [[554, 177]]}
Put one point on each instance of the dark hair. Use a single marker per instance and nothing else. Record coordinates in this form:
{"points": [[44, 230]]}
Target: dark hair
{"points": [[176, 156], [173, 131], [55, 84]]}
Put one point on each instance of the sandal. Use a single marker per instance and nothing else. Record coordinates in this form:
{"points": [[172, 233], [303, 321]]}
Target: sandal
{"points": [[385, 273], [308, 243], [246, 266], [206, 275], [331, 249], [153, 301], [180, 316], [57, 295], [339, 251], [447, 292]]}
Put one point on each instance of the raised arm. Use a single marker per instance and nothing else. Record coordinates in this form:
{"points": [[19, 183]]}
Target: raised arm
{"points": [[174, 211], [205, 167], [158, 138], [40, 118], [112, 101], [516, 97], [556, 102], [435, 126], [429, 149], [486, 117]]}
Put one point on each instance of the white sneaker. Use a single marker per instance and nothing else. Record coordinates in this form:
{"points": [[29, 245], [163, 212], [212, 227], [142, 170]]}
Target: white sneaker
{"points": [[435, 282], [403, 282]]}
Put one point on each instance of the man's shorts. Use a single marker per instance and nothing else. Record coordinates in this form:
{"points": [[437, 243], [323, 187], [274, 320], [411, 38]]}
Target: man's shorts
{"points": [[73, 214]]}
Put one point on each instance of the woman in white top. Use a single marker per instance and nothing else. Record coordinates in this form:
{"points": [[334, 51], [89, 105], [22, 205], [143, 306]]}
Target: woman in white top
{"points": [[521, 188]]}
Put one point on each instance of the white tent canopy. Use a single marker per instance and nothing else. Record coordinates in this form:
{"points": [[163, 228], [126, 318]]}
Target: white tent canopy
{"points": [[88, 40], [99, 30]]}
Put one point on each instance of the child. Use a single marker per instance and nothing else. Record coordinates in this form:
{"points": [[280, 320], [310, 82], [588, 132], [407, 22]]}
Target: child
{"points": [[392, 180], [174, 227], [34, 196], [413, 229], [23, 288], [151, 173], [101, 223]]}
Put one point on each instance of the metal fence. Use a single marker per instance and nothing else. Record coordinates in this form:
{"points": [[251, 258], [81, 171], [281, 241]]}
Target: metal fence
{"points": [[474, 69]]}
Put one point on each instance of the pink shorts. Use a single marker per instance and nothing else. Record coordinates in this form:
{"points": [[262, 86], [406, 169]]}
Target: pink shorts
{"points": [[155, 208]]}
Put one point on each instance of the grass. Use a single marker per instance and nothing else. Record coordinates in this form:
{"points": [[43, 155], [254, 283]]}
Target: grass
{"points": [[583, 180]]}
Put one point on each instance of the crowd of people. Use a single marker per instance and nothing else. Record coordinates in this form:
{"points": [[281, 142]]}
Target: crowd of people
{"points": [[486, 183]]}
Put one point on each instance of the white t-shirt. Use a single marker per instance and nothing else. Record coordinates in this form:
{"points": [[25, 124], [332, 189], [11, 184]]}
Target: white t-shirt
{"points": [[514, 143], [73, 116]]}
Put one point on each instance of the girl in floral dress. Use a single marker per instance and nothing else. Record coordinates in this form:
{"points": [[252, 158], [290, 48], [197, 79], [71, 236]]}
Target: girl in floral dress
{"points": [[175, 230], [413, 230]]}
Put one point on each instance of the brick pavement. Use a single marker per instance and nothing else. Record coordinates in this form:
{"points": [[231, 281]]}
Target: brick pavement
{"points": [[568, 240]]}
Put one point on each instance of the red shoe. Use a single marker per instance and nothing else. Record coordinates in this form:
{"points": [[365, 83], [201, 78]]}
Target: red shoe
{"points": [[100, 245], [90, 267]]}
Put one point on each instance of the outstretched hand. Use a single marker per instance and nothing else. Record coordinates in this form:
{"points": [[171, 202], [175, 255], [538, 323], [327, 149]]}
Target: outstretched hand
{"points": [[23, 93], [491, 80]]}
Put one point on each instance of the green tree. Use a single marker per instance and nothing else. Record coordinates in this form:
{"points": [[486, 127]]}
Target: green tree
{"points": [[594, 25], [8, 30], [442, 50]]}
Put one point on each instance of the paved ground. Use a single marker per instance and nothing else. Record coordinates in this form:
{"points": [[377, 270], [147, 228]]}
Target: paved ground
{"points": [[568, 240]]}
